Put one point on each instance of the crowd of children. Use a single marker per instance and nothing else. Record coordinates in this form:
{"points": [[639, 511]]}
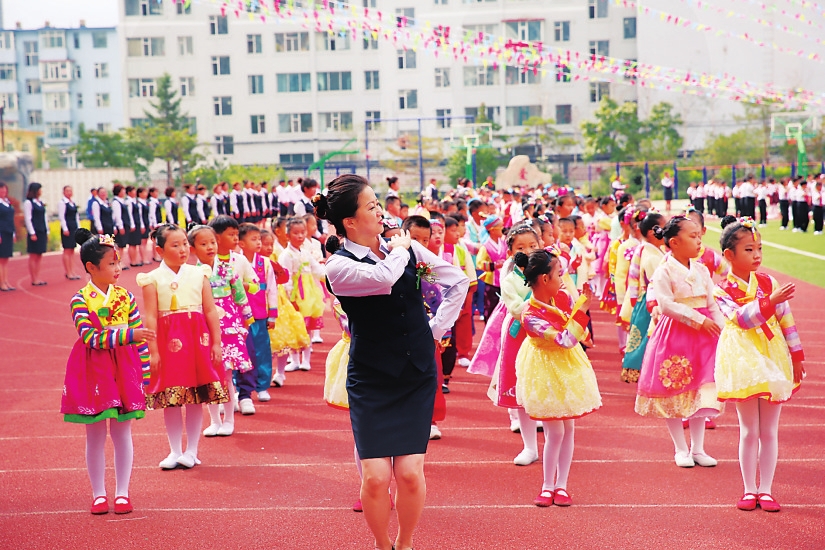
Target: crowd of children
{"points": [[248, 311]]}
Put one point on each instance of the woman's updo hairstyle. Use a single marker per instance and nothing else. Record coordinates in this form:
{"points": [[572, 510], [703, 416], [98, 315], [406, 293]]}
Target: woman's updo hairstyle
{"points": [[340, 202], [161, 233], [670, 230], [650, 220], [391, 180], [538, 263], [91, 249], [732, 229]]}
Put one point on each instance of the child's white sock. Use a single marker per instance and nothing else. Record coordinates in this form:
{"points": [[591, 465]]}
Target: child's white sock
{"points": [[194, 420], [124, 454], [306, 353], [96, 457]]}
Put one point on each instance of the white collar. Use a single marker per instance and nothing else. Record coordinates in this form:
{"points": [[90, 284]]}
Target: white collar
{"points": [[5, 201], [360, 251], [67, 201]]}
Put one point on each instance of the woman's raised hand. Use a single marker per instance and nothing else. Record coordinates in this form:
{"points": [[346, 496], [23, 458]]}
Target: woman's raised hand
{"points": [[401, 240]]}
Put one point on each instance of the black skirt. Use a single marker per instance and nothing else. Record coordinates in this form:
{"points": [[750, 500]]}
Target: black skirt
{"points": [[6, 244], [391, 416], [38, 246], [133, 237], [68, 243], [668, 193], [121, 240]]}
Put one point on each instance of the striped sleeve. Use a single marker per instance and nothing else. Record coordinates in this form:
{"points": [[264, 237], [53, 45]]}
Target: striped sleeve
{"points": [[93, 337], [748, 316], [136, 322]]}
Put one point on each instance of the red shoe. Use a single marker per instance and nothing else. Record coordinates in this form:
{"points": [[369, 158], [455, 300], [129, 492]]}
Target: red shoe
{"points": [[357, 506], [544, 499], [123, 505], [768, 503], [562, 498], [685, 423], [100, 506], [710, 424], [747, 502]]}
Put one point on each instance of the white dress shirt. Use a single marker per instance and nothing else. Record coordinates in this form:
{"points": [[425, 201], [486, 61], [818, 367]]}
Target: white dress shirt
{"points": [[61, 213], [117, 213], [153, 212], [348, 277], [27, 216]]}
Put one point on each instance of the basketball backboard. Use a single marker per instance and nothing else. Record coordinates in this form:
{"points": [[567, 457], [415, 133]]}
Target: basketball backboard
{"points": [[794, 125]]}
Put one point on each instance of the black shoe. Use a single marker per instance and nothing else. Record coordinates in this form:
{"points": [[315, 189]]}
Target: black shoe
{"points": [[445, 388]]}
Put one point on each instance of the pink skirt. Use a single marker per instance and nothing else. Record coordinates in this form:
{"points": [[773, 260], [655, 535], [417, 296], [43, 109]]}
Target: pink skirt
{"points": [[510, 345], [186, 374], [489, 347], [102, 383], [233, 335]]}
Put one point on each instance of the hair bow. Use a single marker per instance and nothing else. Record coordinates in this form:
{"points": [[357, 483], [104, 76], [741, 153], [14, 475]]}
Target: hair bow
{"points": [[106, 240], [748, 222]]}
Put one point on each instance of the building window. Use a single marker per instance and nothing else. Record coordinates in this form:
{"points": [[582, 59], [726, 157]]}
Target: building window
{"points": [[598, 90], [7, 71], [516, 116], [372, 81], [76, 40], [630, 27], [294, 82], [516, 75], [597, 9], [335, 122], [30, 49], [185, 45], [102, 100], [297, 158], [442, 78], [36, 118], [52, 39], [56, 101], [600, 48], [146, 47], [440, 2], [99, 40], [256, 84], [184, 8], [55, 70], [220, 65], [6, 41], [218, 24], [58, 130], [561, 31], [334, 81], [187, 86], [482, 30], [295, 123], [253, 43], [444, 120], [564, 114], [223, 105], [523, 30], [480, 76], [9, 101], [101, 70], [404, 16], [370, 43], [104, 127], [563, 73], [407, 99], [406, 59], [32, 86], [334, 43], [371, 118], [138, 122], [79, 101], [77, 72], [258, 124], [493, 113], [370, 3], [151, 7], [292, 42], [225, 145], [147, 87]]}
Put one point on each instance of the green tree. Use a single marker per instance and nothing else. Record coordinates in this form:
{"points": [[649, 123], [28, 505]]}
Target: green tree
{"points": [[167, 107], [402, 158], [661, 139], [742, 146], [615, 133], [488, 160], [98, 149], [759, 116]]}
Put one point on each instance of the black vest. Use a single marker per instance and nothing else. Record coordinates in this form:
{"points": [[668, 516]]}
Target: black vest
{"points": [[207, 208], [174, 219], [240, 200], [124, 215], [137, 215], [391, 330], [6, 218], [38, 217], [71, 217], [220, 206], [144, 215], [308, 206], [106, 219], [192, 205]]}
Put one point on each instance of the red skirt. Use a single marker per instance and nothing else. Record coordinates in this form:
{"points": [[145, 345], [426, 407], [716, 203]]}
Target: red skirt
{"points": [[186, 374]]}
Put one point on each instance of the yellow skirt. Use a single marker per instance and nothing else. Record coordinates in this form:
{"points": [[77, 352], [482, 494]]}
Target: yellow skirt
{"points": [[749, 365], [335, 375], [290, 331], [555, 383], [307, 294]]}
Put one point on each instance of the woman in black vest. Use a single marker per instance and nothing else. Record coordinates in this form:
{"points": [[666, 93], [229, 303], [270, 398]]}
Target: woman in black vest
{"points": [[67, 213], [34, 213], [391, 378], [7, 236]]}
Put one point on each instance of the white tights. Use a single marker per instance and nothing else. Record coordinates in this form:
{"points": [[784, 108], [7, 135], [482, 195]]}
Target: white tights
{"points": [[228, 409], [758, 442], [96, 457], [529, 429], [173, 418], [558, 453], [697, 435]]}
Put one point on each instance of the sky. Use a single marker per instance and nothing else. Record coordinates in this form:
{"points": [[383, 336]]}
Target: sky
{"points": [[59, 13]]}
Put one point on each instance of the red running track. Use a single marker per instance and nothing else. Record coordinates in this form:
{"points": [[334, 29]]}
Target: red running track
{"points": [[286, 478]]}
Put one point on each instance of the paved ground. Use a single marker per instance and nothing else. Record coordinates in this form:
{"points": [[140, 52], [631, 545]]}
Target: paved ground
{"points": [[286, 478]]}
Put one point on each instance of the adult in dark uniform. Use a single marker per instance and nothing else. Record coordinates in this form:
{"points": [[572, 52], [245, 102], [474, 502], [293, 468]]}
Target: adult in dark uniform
{"points": [[391, 378], [34, 213], [132, 215], [7, 236], [102, 216], [67, 213]]}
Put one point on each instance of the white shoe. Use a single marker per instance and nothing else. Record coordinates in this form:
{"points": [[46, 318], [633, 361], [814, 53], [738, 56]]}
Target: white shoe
{"points": [[263, 396], [317, 339], [247, 407], [435, 433], [684, 460], [237, 406], [222, 409], [278, 380], [526, 457], [188, 460], [703, 459], [291, 367], [211, 430], [817, 232], [464, 362], [226, 429], [170, 462], [305, 366], [515, 426]]}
